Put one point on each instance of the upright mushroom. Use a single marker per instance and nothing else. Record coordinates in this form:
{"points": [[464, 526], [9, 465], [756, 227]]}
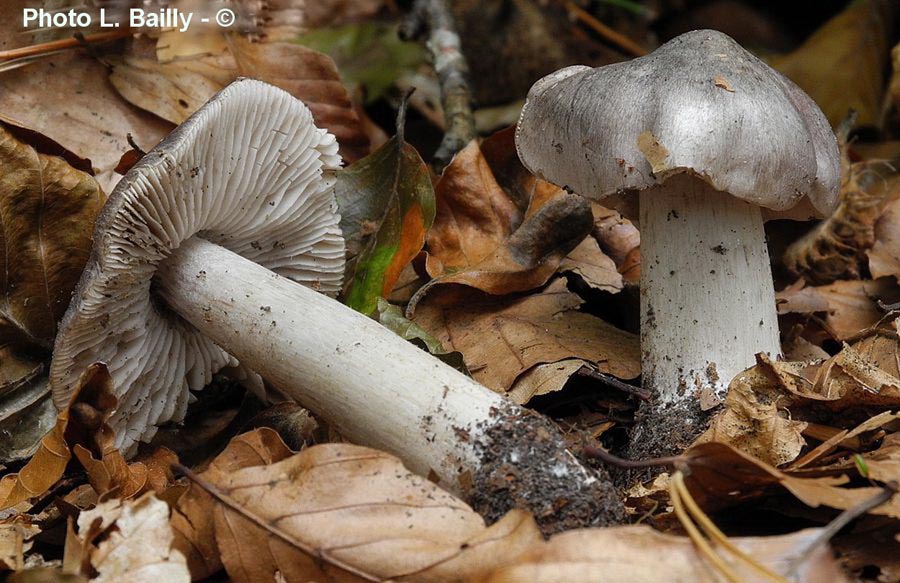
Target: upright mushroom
{"points": [[195, 266], [708, 135]]}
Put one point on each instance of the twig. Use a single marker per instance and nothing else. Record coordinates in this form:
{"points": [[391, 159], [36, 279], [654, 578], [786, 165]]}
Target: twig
{"points": [[618, 39], [613, 460], [66, 43], [433, 17], [842, 520], [226, 501], [614, 383]]}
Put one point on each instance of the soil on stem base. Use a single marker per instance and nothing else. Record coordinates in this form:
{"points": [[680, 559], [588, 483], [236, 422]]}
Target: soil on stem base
{"points": [[662, 430], [525, 464]]}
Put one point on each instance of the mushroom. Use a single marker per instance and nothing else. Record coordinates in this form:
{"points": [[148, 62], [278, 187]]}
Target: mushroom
{"points": [[706, 134], [196, 263]]}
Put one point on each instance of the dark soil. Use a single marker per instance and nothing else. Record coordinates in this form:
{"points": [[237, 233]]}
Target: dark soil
{"points": [[660, 431], [525, 464]]}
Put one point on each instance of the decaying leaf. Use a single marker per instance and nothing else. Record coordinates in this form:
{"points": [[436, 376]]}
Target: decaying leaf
{"points": [[481, 239], [47, 211], [836, 248], [82, 428], [502, 338], [633, 554], [15, 541], [884, 256], [131, 540], [753, 420], [383, 521], [720, 476], [173, 90], [841, 66], [192, 515], [387, 205], [80, 110], [850, 307]]}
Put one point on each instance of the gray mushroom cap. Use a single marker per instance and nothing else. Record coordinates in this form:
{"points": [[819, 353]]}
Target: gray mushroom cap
{"points": [[249, 171], [701, 104]]}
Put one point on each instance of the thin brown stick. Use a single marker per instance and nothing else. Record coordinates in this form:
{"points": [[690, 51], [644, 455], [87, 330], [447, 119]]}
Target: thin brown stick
{"points": [[61, 44], [613, 460], [226, 501], [842, 520], [614, 383], [616, 38]]}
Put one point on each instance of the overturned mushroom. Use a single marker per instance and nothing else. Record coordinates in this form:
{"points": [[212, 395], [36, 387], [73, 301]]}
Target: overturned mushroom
{"points": [[708, 134], [197, 257]]}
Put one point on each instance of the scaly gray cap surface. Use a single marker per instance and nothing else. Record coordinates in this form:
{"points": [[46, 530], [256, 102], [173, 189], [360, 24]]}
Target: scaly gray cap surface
{"points": [[249, 171], [699, 103]]}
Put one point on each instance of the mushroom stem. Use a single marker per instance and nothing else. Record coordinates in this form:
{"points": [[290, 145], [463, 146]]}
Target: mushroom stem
{"points": [[707, 299], [379, 390]]}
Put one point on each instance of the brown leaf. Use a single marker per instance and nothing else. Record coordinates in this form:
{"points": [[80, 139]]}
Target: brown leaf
{"points": [[192, 515], [131, 540], [842, 64], [80, 110], [835, 248], [174, 90], [752, 421], [15, 541], [850, 306], [593, 266], [47, 211], [501, 339], [884, 256], [382, 522], [633, 554], [720, 476], [82, 426], [481, 239]]}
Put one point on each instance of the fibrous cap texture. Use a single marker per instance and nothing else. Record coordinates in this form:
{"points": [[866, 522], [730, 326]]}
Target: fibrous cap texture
{"points": [[249, 171], [700, 104]]}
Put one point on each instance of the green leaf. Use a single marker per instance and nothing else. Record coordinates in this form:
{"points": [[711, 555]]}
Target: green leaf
{"points": [[392, 318], [387, 205], [368, 54]]}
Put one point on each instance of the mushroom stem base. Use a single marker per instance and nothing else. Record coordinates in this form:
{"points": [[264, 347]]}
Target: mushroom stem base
{"points": [[707, 299], [381, 391]]}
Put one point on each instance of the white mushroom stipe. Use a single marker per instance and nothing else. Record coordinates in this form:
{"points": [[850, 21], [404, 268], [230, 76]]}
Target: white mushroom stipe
{"points": [[332, 359], [702, 254]]}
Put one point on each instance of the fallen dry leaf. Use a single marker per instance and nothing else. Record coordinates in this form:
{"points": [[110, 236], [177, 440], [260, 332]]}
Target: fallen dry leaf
{"points": [[753, 421], [639, 554], [836, 248], [173, 90], [842, 64], [720, 476], [15, 541], [80, 110], [47, 211], [82, 428], [481, 239], [382, 523], [884, 256], [503, 338], [850, 307], [131, 540], [192, 515]]}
